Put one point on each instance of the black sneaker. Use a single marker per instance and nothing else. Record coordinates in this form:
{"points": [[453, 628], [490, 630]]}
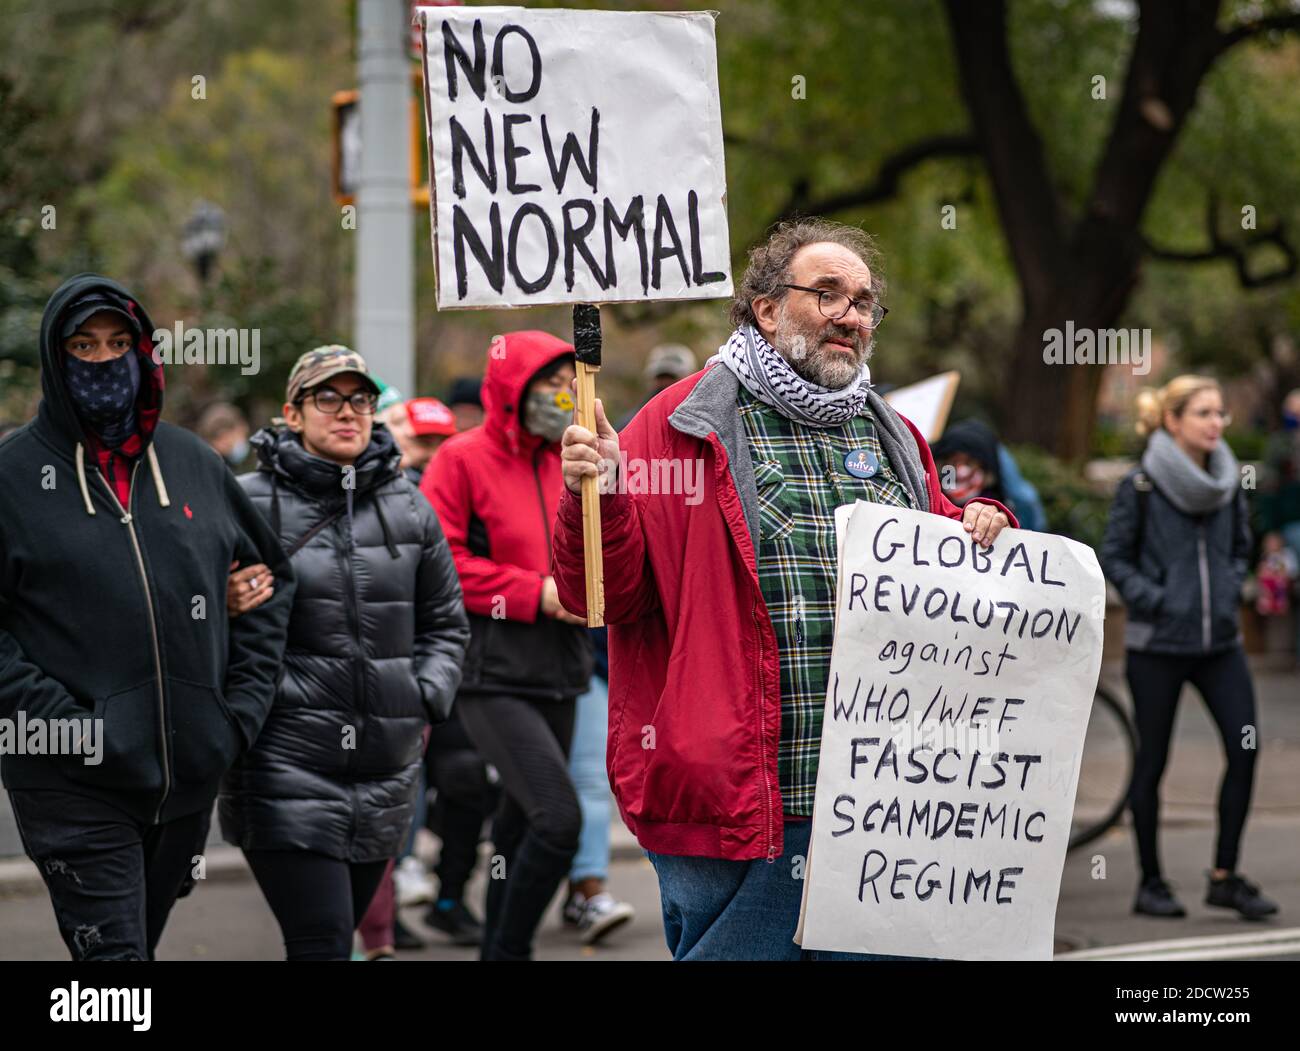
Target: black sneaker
{"points": [[404, 937], [457, 922], [1155, 898], [1237, 892]]}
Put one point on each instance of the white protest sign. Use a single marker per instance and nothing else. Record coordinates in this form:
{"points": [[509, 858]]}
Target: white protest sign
{"points": [[927, 402], [961, 682], [575, 156]]}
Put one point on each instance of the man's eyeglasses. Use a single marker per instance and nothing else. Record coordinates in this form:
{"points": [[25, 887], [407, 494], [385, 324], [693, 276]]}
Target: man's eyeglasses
{"points": [[330, 401], [835, 305]]}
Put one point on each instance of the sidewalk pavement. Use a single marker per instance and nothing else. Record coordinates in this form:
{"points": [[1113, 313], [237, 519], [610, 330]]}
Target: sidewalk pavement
{"points": [[1100, 880]]}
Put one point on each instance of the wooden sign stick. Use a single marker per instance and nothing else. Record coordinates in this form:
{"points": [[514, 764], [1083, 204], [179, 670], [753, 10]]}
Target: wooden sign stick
{"points": [[586, 343]]}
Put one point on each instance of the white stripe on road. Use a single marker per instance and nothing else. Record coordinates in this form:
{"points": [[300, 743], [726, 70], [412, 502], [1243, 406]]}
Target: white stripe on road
{"points": [[1215, 947]]}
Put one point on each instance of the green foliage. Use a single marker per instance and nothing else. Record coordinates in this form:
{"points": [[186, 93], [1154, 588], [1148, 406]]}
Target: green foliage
{"points": [[1249, 444], [1111, 440], [124, 149]]}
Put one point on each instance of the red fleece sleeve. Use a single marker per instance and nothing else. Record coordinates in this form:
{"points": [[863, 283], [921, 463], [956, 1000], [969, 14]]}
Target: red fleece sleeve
{"points": [[630, 591], [485, 583]]}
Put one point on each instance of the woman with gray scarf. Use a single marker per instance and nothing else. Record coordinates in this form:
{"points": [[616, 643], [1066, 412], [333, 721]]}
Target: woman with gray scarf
{"points": [[1176, 547]]}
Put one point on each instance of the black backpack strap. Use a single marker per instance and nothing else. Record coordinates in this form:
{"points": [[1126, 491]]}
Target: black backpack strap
{"points": [[319, 527], [1143, 486]]}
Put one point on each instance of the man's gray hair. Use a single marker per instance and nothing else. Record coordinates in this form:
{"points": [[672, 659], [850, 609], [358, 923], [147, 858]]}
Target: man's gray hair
{"points": [[769, 262]]}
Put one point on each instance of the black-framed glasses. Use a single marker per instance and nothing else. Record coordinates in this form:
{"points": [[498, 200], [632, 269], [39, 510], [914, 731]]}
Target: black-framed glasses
{"points": [[835, 305], [330, 401]]}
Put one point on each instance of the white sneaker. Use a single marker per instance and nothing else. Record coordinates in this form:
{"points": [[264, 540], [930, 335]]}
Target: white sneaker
{"points": [[411, 883], [601, 913]]}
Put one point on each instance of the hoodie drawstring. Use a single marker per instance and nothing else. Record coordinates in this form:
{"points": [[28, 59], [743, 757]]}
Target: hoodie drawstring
{"points": [[383, 524], [81, 478], [163, 499]]}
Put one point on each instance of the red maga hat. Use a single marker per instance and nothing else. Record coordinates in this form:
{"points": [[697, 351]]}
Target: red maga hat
{"points": [[430, 416]]}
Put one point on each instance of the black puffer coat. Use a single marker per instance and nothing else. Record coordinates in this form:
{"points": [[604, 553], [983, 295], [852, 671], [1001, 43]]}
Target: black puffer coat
{"points": [[377, 636], [1180, 575]]}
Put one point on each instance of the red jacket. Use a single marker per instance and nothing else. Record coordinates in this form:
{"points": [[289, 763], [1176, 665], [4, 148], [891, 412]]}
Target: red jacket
{"points": [[695, 684], [496, 489]]}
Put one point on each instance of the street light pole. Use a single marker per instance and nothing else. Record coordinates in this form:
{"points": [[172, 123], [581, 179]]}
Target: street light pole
{"points": [[385, 262], [202, 238]]}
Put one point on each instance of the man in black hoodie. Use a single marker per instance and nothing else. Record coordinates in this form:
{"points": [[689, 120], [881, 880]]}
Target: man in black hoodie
{"points": [[116, 534]]}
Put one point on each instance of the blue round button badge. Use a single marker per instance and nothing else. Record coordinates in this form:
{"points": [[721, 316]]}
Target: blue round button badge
{"points": [[861, 463]]}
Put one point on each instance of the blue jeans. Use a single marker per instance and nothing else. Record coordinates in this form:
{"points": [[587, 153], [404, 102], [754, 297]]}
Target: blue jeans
{"points": [[739, 910], [587, 769]]}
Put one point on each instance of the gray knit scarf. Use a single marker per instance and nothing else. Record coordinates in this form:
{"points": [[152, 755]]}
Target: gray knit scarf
{"points": [[1191, 489], [763, 371]]}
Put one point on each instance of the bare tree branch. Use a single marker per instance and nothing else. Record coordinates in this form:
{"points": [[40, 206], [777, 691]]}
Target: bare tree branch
{"points": [[1247, 30], [1221, 248], [885, 183], [136, 18]]}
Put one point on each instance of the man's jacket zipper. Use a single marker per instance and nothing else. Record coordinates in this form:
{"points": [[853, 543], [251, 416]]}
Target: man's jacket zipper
{"points": [[128, 521], [358, 675], [1204, 565]]}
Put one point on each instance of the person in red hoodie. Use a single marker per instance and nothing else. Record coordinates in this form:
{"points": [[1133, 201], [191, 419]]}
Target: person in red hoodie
{"points": [[496, 489], [720, 586]]}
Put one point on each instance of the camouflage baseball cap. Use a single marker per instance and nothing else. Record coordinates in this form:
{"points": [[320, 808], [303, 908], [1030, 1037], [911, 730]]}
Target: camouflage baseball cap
{"points": [[316, 366]]}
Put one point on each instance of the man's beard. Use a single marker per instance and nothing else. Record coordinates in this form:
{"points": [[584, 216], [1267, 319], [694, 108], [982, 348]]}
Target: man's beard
{"points": [[804, 347]]}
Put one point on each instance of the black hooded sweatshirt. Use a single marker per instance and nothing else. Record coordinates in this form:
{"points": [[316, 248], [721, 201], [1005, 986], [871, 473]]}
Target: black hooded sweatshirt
{"points": [[120, 612]]}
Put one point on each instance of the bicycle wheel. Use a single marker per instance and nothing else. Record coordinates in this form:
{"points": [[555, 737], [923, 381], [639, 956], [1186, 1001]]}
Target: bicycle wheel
{"points": [[1106, 769]]}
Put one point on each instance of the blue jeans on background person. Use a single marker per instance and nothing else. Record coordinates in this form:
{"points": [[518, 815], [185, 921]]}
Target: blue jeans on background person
{"points": [[587, 769], [739, 910], [417, 819]]}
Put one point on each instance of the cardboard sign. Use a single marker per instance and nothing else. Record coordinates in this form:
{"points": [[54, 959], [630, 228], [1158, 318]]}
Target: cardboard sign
{"points": [[960, 686], [576, 156], [927, 402]]}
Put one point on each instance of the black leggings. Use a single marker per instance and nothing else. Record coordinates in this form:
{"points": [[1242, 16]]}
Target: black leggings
{"points": [[537, 827], [317, 900], [1223, 680]]}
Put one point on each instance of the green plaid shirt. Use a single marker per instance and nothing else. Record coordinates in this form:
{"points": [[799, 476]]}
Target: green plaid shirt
{"points": [[802, 478]]}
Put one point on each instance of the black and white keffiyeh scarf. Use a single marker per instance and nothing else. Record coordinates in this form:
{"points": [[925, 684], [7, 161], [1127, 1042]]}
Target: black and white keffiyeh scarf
{"points": [[765, 373]]}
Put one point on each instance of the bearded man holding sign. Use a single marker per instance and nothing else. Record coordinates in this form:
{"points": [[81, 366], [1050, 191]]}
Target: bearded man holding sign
{"points": [[721, 609]]}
